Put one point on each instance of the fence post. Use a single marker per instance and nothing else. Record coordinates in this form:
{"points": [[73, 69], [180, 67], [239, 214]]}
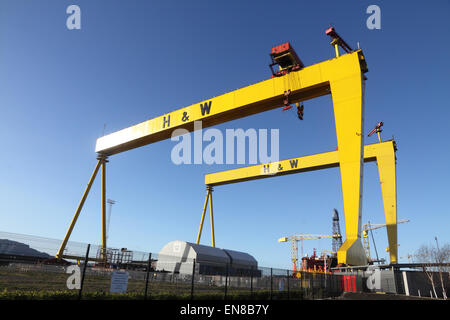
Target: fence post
{"points": [[148, 273], [313, 281], [226, 282], [86, 259], [251, 282], [287, 278], [192, 280], [271, 283]]}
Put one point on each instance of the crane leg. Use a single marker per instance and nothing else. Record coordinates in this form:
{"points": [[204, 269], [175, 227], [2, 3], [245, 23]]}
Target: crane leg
{"points": [[348, 103], [60, 253], [387, 172], [213, 239], [208, 191], [104, 161]]}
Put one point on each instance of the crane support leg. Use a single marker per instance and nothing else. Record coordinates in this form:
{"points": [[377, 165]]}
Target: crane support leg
{"points": [[348, 103], [213, 239], [60, 253], [387, 171], [104, 161], [208, 191]]}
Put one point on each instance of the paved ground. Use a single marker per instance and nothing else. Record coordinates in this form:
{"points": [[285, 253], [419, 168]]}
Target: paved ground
{"points": [[379, 296]]}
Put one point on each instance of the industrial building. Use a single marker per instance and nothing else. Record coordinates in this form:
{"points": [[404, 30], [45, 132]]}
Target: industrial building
{"points": [[178, 256]]}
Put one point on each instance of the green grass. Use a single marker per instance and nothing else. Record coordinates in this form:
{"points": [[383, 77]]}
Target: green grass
{"points": [[35, 285]]}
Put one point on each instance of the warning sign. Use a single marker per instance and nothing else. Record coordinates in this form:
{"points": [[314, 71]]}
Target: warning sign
{"points": [[119, 282]]}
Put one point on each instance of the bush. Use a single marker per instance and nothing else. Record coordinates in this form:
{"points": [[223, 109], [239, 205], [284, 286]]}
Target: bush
{"points": [[73, 295]]}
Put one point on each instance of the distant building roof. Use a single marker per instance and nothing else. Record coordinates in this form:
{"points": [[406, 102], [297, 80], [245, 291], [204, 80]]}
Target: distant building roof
{"points": [[241, 258], [21, 249], [188, 250]]}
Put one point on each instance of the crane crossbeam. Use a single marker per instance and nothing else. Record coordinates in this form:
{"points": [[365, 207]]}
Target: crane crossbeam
{"points": [[310, 82], [290, 166], [307, 237]]}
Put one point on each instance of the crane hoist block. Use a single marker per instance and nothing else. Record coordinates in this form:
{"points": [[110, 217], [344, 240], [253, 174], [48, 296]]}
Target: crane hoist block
{"points": [[286, 58]]}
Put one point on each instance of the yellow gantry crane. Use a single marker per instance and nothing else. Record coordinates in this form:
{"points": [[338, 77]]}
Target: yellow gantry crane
{"points": [[343, 77], [382, 153], [365, 232], [300, 237]]}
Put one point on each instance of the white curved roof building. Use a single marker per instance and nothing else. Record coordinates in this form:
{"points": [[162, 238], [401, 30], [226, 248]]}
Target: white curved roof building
{"points": [[177, 256]]}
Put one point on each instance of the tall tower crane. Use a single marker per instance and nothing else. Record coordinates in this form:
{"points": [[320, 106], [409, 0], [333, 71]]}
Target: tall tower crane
{"points": [[110, 204], [300, 237], [365, 232], [337, 240]]}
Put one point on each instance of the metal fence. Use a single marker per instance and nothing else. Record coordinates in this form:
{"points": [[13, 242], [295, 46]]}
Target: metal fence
{"points": [[43, 277]]}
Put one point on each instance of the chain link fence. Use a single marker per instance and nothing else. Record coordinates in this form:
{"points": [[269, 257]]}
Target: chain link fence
{"points": [[28, 270]]}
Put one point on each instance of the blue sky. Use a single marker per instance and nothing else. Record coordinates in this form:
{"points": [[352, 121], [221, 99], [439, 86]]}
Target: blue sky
{"points": [[61, 89]]}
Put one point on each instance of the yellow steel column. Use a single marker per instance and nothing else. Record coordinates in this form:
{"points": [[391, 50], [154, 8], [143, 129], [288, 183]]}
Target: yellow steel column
{"points": [[60, 253], [387, 172], [203, 215], [213, 239], [348, 102], [336, 48], [104, 161]]}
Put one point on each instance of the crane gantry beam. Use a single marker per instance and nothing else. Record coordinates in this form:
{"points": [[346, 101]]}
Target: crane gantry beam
{"points": [[318, 161], [342, 77], [383, 153]]}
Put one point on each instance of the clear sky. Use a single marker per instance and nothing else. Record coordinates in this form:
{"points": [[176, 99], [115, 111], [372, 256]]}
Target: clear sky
{"points": [[133, 60]]}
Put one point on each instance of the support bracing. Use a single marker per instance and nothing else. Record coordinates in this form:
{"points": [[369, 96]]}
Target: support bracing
{"points": [[60, 253]]}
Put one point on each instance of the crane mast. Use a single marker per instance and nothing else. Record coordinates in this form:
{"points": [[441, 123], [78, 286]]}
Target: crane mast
{"points": [[369, 227], [337, 240]]}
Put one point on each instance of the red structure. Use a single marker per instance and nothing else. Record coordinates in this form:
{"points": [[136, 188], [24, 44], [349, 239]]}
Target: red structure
{"points": [[286, 58], [315, 263]]}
